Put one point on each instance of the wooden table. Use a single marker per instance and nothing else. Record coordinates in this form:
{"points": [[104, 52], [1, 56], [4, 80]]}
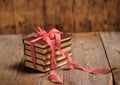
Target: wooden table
{"points": [[90, 50]]}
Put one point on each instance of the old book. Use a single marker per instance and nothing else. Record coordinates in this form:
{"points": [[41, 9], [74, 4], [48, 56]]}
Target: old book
{"points": [[43, 44], [45, 62], [47, 67], [47, 56], [43, 50], [48, 49]]}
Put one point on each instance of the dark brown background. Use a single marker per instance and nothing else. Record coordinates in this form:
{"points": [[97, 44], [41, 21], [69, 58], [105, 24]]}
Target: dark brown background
{"points": [[22, 16]]}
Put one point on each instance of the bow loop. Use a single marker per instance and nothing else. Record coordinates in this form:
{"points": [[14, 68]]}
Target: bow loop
{"points": [[40, 32]]}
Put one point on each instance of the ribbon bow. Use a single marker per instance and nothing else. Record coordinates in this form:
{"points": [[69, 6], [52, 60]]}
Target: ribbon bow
{"points": [[53, 39]]}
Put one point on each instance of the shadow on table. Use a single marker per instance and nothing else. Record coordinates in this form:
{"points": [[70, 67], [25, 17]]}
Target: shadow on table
{"points": [[20, 67]]}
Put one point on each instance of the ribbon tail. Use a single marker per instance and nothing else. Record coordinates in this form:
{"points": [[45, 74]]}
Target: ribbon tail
{"points": [[54, 77], [53, 74], [33, 55], [93, 71], [69, 60], [100, 71], [79, 67]]}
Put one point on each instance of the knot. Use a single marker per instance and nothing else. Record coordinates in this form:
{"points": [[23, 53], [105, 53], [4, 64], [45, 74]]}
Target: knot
{"points": [[51, 34]]}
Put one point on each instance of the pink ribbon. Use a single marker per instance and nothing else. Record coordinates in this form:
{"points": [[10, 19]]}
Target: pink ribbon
{"points": [[53, 39]]}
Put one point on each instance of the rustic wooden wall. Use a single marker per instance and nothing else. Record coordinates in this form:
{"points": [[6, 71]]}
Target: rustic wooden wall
{"points": [[21, 16]]}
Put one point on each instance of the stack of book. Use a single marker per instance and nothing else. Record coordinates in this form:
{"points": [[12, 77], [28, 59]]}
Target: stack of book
{"points": [[43, 53]]}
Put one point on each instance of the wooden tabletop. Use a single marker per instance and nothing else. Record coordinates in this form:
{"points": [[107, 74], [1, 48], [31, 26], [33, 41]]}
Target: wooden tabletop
{"points": [[90, 50]]}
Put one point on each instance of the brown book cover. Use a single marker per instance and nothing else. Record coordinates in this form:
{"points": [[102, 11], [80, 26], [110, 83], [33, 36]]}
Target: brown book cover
{"points": [[47, 50], [47, 56], [47, 61], [43, 44], [47, 67]]}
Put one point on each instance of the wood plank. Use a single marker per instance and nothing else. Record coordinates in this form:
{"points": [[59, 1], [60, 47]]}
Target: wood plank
{"points": [[51, 13], [21, 16], [35, 14], [6, 5], [97, 15], [7, 17], [112, 14], [66, 20], [31, 77], [13, 71], [81, 15], [118, 16], [28, 76], [112, 45], [88, 52], [0, 23], [91, 55], [59, 14], [10, 58]]}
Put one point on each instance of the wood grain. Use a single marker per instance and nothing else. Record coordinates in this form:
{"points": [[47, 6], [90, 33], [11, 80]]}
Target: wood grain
{"points": [[84, 53], [112, 16], [51, 13], [7, 17], [81, 15], [21, 16], [59, 14], [90, 56], [10, 58], [67, 15], [35, 14], [118, 15], [97, 15], [111, 43]]}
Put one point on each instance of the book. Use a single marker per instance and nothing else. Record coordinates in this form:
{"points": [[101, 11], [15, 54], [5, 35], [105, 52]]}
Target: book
{"points": [[43, 44], [47, 56], [45, 68], [47, 61], [43, 52], [48, 49]]}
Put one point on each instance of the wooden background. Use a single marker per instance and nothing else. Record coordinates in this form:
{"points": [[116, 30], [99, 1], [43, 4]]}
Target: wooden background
{"points": [[21, 16]]}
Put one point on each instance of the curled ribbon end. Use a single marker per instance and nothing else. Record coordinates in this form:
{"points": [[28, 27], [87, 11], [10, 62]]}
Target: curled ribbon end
{"points": [[38, 29], [53, 77]]}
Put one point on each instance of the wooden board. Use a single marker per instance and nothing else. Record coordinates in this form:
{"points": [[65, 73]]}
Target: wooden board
{"points": [[7, 17], [35, 14], [112, 46], [0, 24], [88, 52], [112, 14], [118, 16], [59, 14], [51, 13], [66, 14], [81, 16], [10, 58], [21, 16], [97, 15]]}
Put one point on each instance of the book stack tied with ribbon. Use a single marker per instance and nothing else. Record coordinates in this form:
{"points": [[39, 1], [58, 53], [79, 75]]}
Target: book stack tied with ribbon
{"points": [[43, 54], [46, 51]]}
